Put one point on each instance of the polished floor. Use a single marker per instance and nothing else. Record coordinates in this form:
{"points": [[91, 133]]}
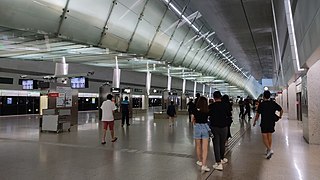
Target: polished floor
{"points": [[148, 149]]}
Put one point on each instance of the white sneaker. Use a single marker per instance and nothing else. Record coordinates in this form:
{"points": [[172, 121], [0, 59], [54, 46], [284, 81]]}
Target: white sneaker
{"points": [[205, 169], [224, 160], [218, 166], [269, 155], [199, 163], [266, 151]]}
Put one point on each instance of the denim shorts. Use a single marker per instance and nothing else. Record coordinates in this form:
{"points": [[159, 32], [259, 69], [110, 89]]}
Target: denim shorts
{"points": [[201, 131]]}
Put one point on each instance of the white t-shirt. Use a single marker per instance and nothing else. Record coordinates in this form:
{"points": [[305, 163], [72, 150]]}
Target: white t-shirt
{"points": [[107, 110]]}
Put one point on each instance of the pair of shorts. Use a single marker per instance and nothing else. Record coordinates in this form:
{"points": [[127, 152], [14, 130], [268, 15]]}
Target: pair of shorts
{"points": [[267, 129], [108, 123], [200, 131]]}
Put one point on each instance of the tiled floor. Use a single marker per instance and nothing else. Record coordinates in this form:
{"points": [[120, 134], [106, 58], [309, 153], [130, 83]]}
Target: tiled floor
{"points": [[148, 149]]}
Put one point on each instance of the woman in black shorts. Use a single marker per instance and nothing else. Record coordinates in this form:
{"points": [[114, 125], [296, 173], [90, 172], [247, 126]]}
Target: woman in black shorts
{"points": [[267, 109]]}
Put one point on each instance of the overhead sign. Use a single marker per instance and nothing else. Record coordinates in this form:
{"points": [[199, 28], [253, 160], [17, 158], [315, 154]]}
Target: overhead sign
{"points": [[115, 90], [53, 95], [127, 90]]}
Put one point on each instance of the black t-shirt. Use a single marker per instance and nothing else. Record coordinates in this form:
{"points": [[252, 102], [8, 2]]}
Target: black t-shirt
{"points": [[267, 110], [218, 114], [191, 107], [201, 117], [171, 111]]}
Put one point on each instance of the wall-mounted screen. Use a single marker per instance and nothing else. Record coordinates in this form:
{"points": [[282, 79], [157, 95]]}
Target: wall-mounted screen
{"points": [[27, 84], [127, 91], [115, 90], [9, 100], [79, 83]]}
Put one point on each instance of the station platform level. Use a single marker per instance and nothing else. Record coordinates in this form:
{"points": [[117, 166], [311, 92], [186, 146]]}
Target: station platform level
{"points": [[148, 149]]}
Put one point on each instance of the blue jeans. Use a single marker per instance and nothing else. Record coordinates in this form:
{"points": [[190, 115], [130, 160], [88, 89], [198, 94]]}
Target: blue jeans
{"points": [[201, 131]]}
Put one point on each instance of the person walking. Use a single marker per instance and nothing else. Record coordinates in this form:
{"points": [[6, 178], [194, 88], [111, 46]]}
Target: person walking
{"points": [[125, 111], [247, 106], [218, 124], [268, 109], [241, 106], [201, 132], [171, 112], [191, 108], [108, 107], [226, 100]]}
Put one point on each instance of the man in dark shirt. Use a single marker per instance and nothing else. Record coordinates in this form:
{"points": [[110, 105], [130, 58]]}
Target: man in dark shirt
{"points": [[247, 103], [125, 111], [191, 108], [218, 113], [197, 98], [267, 109], [241, 106]]}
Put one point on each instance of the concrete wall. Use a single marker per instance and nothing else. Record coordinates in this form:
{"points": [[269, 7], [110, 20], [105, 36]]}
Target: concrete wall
{"points": [[313, 130], [292, 109]]}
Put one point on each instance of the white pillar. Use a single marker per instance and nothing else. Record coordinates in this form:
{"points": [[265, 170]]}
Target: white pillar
{"points": [[148, 83], [203, 89], [184, 86], [116, 75], [313, 122], [169, 81], [285, 100], [145, 102], [292, 102], [195, 89], [210, 92]]}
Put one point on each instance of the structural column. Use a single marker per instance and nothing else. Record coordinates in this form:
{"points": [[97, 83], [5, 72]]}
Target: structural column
{"points": [[285, 100], [169, 81], [183, 96], [116, 75], [203, 89], [145, 105], [195, 89], [312, 132], [292, 102]]}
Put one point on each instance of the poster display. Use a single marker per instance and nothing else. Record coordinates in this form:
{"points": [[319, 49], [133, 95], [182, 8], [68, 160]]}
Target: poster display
{"points": [[65, 96]]}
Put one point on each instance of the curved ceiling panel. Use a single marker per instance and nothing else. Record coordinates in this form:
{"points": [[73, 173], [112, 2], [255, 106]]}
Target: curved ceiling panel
{"points": [[145, 28]]}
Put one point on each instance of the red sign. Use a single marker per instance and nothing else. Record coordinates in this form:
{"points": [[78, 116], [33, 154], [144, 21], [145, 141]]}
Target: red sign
{"points": [[279, 92], [53, 95]]}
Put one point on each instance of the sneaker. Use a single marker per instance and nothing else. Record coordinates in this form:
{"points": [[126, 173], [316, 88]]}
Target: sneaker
{"points": [[114, 140], [266, 151], [269, 155], [103, 142], [205, 169], [218, 166], [224, 160], [199, 163]]}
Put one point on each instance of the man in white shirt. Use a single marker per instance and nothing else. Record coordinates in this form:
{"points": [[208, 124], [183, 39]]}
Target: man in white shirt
{"points": [[108, 108]]}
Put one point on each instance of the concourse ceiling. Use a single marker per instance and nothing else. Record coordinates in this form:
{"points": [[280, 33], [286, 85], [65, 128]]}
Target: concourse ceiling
{"points": [[144, 35], [245, 27]]}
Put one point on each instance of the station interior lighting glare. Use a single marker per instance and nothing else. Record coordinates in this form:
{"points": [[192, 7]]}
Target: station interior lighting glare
{"points": [[266, 88]]}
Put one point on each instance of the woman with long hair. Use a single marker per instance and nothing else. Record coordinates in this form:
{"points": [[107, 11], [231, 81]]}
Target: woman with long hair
{"points": [[201, 134]]}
